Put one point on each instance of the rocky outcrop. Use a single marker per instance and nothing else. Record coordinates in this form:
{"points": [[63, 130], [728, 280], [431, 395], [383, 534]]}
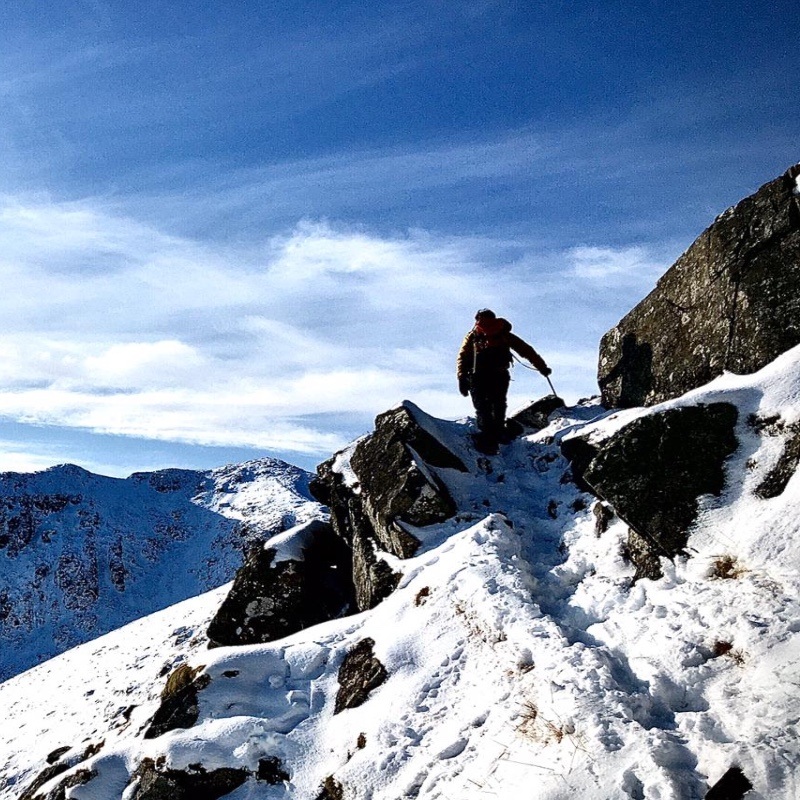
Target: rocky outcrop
{"points": [[536, 415], [781, 473], [59, 762], [733, 785], [78, 778], [154, 783], [382, 487], [731, 302], [274, 596], [179, 705], [652, 472], [359, 675]]}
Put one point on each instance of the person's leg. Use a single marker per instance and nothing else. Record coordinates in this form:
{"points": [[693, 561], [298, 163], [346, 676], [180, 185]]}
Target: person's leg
{"points": [[483, 395], [499, 404], [480, 391]]}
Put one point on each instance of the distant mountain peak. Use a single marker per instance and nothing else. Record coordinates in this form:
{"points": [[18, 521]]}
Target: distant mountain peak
{"points": [[82, 554]]}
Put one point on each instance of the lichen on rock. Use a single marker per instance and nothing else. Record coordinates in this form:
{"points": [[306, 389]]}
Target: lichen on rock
{"points": [[730, 302]]}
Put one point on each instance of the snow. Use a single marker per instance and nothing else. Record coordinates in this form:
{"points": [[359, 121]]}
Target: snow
{"points": [[341, 465], [90, 553], [522, 659], [289, 545]]}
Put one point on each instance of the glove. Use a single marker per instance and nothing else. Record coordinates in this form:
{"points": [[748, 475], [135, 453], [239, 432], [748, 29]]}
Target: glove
{"points": [[546, 371], [463, 385]]}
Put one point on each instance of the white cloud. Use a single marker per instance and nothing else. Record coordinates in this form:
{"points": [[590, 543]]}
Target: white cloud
{"points": [[143, 364], [606, 263], [113, 326], [16, 460]]}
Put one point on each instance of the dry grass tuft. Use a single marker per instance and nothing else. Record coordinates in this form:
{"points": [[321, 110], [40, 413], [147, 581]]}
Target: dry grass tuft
{"points": [[722, 648], [535, 727], [725, 567]]}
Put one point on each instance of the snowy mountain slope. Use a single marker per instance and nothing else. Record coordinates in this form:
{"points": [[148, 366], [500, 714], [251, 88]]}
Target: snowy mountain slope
{"points": [[82, 554], [97, 691], [520, 659]]}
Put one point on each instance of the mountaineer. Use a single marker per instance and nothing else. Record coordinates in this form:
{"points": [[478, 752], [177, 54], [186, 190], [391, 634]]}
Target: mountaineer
{"points": [[483, 363]]}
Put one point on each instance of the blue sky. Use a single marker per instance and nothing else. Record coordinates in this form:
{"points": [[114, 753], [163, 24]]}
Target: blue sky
{"points": [[229, 230]]}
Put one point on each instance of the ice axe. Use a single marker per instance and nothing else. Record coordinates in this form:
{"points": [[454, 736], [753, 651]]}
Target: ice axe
{"points": [[546, 377]]}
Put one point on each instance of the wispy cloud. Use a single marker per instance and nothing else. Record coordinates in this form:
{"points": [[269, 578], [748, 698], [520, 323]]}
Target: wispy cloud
{"points": [[623, 265], [116, 327]]}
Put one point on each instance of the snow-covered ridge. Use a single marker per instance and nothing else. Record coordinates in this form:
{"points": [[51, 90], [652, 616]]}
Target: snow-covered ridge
{"points": [[82, 554], [521, 660]]}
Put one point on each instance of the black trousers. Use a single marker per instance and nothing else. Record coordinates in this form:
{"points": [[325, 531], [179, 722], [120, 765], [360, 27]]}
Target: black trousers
{"points": [[489, 390]]}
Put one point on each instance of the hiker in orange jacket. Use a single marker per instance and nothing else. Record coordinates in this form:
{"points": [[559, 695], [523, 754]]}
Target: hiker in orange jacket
{"points": [[483, 363]]}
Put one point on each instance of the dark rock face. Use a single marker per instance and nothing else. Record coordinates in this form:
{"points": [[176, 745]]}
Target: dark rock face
{"points": [[269, 601], [535, 416], [271, 771], [603, 516], [579, 453], [78, 778], [394, 481], [45, 776], [60, 762], [652, 472], [179, 707], [331, 790], [359, 674], [779, 476], [733, 785], [730, 302], [170, 784]]}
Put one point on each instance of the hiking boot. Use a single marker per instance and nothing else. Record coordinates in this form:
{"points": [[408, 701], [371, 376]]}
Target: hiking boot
{"points": [[485, 443]]}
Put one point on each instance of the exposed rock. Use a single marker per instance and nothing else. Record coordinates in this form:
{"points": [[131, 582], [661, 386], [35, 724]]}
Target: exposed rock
{"points": [[389, 481], [393, 467], [59, 765], [271, 600], [45, 776], [733, 785], [331, 790], [653, 470], [602, 518], [730, 302], [153, 783], [535, 416], [359, 674], [272, 771], [779, 476], [179, 707], [579, 452], [78, 778], [57, 753]]}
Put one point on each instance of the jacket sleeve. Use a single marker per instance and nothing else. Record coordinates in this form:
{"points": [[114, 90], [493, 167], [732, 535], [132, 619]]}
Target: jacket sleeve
{"points": [[526, 351], [466, 357]]}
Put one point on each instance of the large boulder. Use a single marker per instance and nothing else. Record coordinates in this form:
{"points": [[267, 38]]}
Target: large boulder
{"points": [[300, 578], [359, 675], [154, 782], [384, 486], [652, 472], [731, 302], [536, 415]]}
